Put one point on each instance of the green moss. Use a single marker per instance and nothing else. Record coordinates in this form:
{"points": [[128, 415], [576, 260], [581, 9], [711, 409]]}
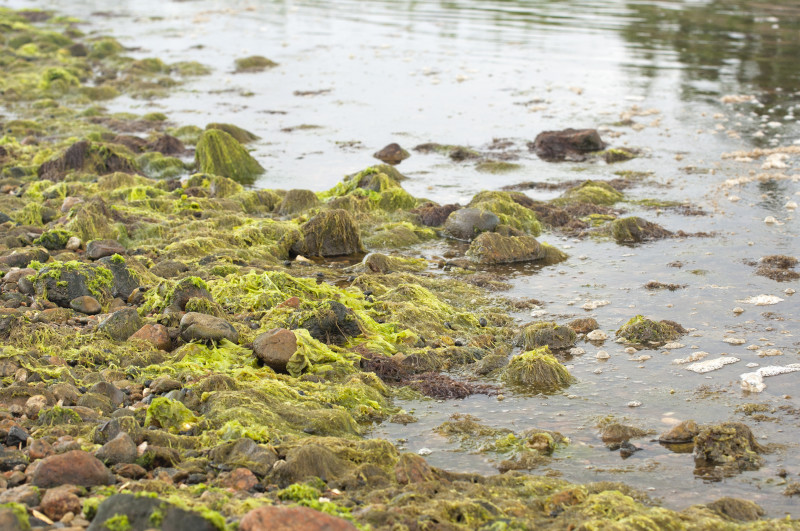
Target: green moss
{"points": [[537, 370], [547, 334], [510, 213], [641, 330], [53, 240], [219, 153], [118, 522], [636, 230], [593, 192], [157, 166], [298, 492], [100, 92], [242, 136], [190, 69], [58, 79], [156, 517], [169, 414], [104, 47], [253, 63], [396, 235], [20, 512]]}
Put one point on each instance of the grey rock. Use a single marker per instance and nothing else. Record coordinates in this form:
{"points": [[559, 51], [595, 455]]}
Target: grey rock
{"points": [[467, 223], [201, 327], [121, 324], [139, 511], [97, 249]]}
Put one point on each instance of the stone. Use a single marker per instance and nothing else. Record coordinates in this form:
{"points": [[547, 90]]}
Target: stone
{"points": [[12, 520], [185, 290], [637, 230], [16, 437], [24, 494], [392, 154], [97, 249], [245, 453], [278, 518], [114, 394], [59, 501], [75, 467], [164, 384], [329, 233], [129, 470], [275, 347], [169, 269], [730, 445], [685, 432], [432, 215], [21, 258], [411, 468], [125, 282], [121, 324], [737, 509], [35, 404], [467, 223], [155, 334], [239, 479], [39, 449], [583, 325], [120, 449], [201, 327], [296, 201], [86, 304], [10, 459], [567, 144], [555, 336], [73, 243], [66, 393], [490, 248], [61, 283], [615, 433], [139, 512], [332, 323]]}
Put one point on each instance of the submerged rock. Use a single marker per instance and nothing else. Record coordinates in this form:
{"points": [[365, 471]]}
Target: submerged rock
{"points": [[637, 230], [219, 153], [537, 370], [552, 335], [392, 154], [329, 233], [568, 144], [467, 223], [730, 446]]}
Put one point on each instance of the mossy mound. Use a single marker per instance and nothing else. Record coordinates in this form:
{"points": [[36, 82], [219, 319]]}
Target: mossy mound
{"points": [[730, 446], [508, 211], [490, 248], [243, 136], [644, 331], [397, 235], [537, 370], [552, 335], [253, 63], [637, 230], [592, 192], [329, 233], [88, 157], [60, 282], [379, 185], [219, 153]]}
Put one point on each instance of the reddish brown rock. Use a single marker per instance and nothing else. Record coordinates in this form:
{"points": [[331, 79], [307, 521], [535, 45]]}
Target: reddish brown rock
{"points": [[275, 348], [277, 518], [59, 501], [569, 144], [240, 479], [155, 334], [39, 449], [685, 432], [392, 154], [291, 302], [411, 468], [75, 467]]}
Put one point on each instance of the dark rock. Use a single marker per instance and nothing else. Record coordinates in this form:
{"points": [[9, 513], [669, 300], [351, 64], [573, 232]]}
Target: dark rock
{"points": [[169, 268], [201, 327], [62, 283], [685, 432], [75, 467], [121, 324], [637, 230], [332, 322], [568, 144], [86, 304], [84, 155], [162, 385], [275, 347], [67, 393], [490, 248], [24, 494], [392, 154], [467, 223], [160, 456], [245, 453], [59, 501], [166, 145], [120, 449], [140, 513], [737, 509], [433, 215], [626, 449], [296, 201], [329, 233], [96, 402], [9, 459], [21, 259], [16, 436], [129, 470], [155, 334], [97, 249], [278, 518], [308, 461], [185, 290], [125, 281], [615, 433]]}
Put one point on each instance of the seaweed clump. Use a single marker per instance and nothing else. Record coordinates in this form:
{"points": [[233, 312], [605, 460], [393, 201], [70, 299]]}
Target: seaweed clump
{"points": [[644, 331], [219, 153], [537, 370]]}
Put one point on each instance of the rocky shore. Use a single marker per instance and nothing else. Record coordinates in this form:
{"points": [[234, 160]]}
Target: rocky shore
{"points": [[180, 350]]}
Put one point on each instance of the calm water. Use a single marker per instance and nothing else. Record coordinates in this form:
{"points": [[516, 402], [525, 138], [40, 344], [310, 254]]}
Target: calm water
{"points": [[469, 72]]}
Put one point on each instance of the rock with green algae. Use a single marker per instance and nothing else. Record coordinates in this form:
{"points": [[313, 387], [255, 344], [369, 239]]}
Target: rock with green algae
{"points": [[552, 335], [90, 157], [396, 235], [129, 512], [508, 211], [490, 248], [296, 201], [644, 331], [637, 230], [243, 136], [329, 233], [593, 192], [730, 446], [467, 223], [61, 282], [14, 517], [537, 370], [169, 414], [377, 186], [219, 153], [253, 63]]}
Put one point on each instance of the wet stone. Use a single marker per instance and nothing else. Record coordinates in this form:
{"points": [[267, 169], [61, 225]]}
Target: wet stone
{"points": [[201, 327], [275, 348], [114, 394], [121, 324], [329, 233], [97, 249], [169, 269], [86, 304], [467, 223], [124, 281], [684, 432], [16, 437], [392, 154], [567, 144], [239, 479], [9, 459], [24, 494], [245, 453], [120, 449]]}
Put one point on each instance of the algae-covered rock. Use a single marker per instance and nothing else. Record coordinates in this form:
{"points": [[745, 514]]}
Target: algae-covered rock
{"points": [[126, 280], [253, 63], [61, 282], [308, 461], [537, 370], [615, 433], [644, 331], [219, 153], [433, 215], [568, 144], [126, 512], [89, 157], [293, 518], [637, 230], [509, 211], [54, 239], [467, 223], [683, 433], [329, 233], [737, 509], [296, 201], [490, 248], [730, 446], [245, 453], [243, 136], [121, 324], [552, 335], [593, 192], [169, 414]]}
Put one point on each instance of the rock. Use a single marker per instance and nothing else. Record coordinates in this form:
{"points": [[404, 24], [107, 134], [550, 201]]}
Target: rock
{"points": [[568, 144], [584, 326], [163, 385], [186, 289], [329, 233], [490, 248], [245, 453], [737, 509], [253, 63], [60, 282], [129, 470], [308, 461], [125, 281], [275, 347], [10, 459], [21, 259], [155, 334], [73, 244], [537, 370], [555, 336], [66, 393], [637, 230], [16, 437], [120, 449], [219, 153], [121, 324], [278, 518], [433, 215], [730, 445], [75, 467], [87, 156], [392, 154], [97, 402], [97, 249], [615, 433], [685, 432], [59, 501], [243, 136], [14, 518], [239, 479], [644, 331], [201, 327], [24, 495], [467, 223], [139, 511], [169, 269], [166, 145], [116, 396], [296, 201], [332, 323], [411, 468], [35, 404], [39, 449], [86, 304]]}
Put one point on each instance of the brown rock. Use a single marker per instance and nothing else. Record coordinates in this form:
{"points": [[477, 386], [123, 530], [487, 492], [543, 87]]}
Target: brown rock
{"points": [[97, 249], [584, 325], [120, 449], [86, 304], [685, 432], [392, 154], [129, 470], [155, 334], [75, 467], [291, 302], [24, 494], [240, 479], [39, 449], [59, 501], [569, 144], [275, 348], [277, 518], [412, 468]]}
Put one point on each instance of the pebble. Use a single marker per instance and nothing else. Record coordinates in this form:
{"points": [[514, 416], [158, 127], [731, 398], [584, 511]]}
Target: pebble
{"points": [[630, 350], [634, 403], [643, 357], [751, 365], [425, 451], [673, 346], [598, 371], [734, 341], [73, 244], [602, 355], [596, 335], [738, 310], [576, 351], [791, 205], [770, 220]]}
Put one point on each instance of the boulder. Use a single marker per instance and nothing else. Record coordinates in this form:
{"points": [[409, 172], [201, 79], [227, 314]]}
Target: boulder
{"points": [[329, 233], [555, 336], [141, 511], [730, 445], [125, 281], [202, 327], [120, 449], [490, 248], [567, 144], [219, 153], [637, 230], [332, 323], [275, 347], [245, 453], [61, 282], [97, 249], [86, 304], [467, 223], [296, 201], [538, 371], [155, 334]]}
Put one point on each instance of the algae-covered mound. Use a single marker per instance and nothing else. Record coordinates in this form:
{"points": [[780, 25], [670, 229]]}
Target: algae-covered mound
{"points": [[253, 63], [219, 153], [593, 192], [61, 282], [730, 446], [552, 335], [537, 370], [490, 248], [378, 186], [644, 331], [88, 157], [637, 230], [508, 211], [329, 233]]}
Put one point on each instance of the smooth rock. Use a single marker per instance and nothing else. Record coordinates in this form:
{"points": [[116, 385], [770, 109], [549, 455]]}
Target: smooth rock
{"points": [[86, 304], [120, 449], [275, 347], [467, 223], [567, 144], [121, 324], [139, 511], [24, 494], [392, 154], [59, 501], [277, 518], [240, 479], [97, 249], [75, 467], [202, 327], [155, 334], [684, 432]]}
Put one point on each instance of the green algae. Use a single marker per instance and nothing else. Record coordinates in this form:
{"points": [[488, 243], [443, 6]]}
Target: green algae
{"points": [[593, 192], [243, 136], [170, 415], [509, 211], [497, 166], [547, 334], [644, 331], [379, 186], [397, 235], [253, 63], [118, 522], [636, 230], [537, 370], [219, 153], [157, 166]]}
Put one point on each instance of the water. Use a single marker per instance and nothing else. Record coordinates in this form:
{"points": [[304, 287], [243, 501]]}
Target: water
{"points": [[470, 72]]}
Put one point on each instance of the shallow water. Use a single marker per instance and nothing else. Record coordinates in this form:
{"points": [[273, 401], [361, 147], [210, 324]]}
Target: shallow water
{"points": [[469, 72]]}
